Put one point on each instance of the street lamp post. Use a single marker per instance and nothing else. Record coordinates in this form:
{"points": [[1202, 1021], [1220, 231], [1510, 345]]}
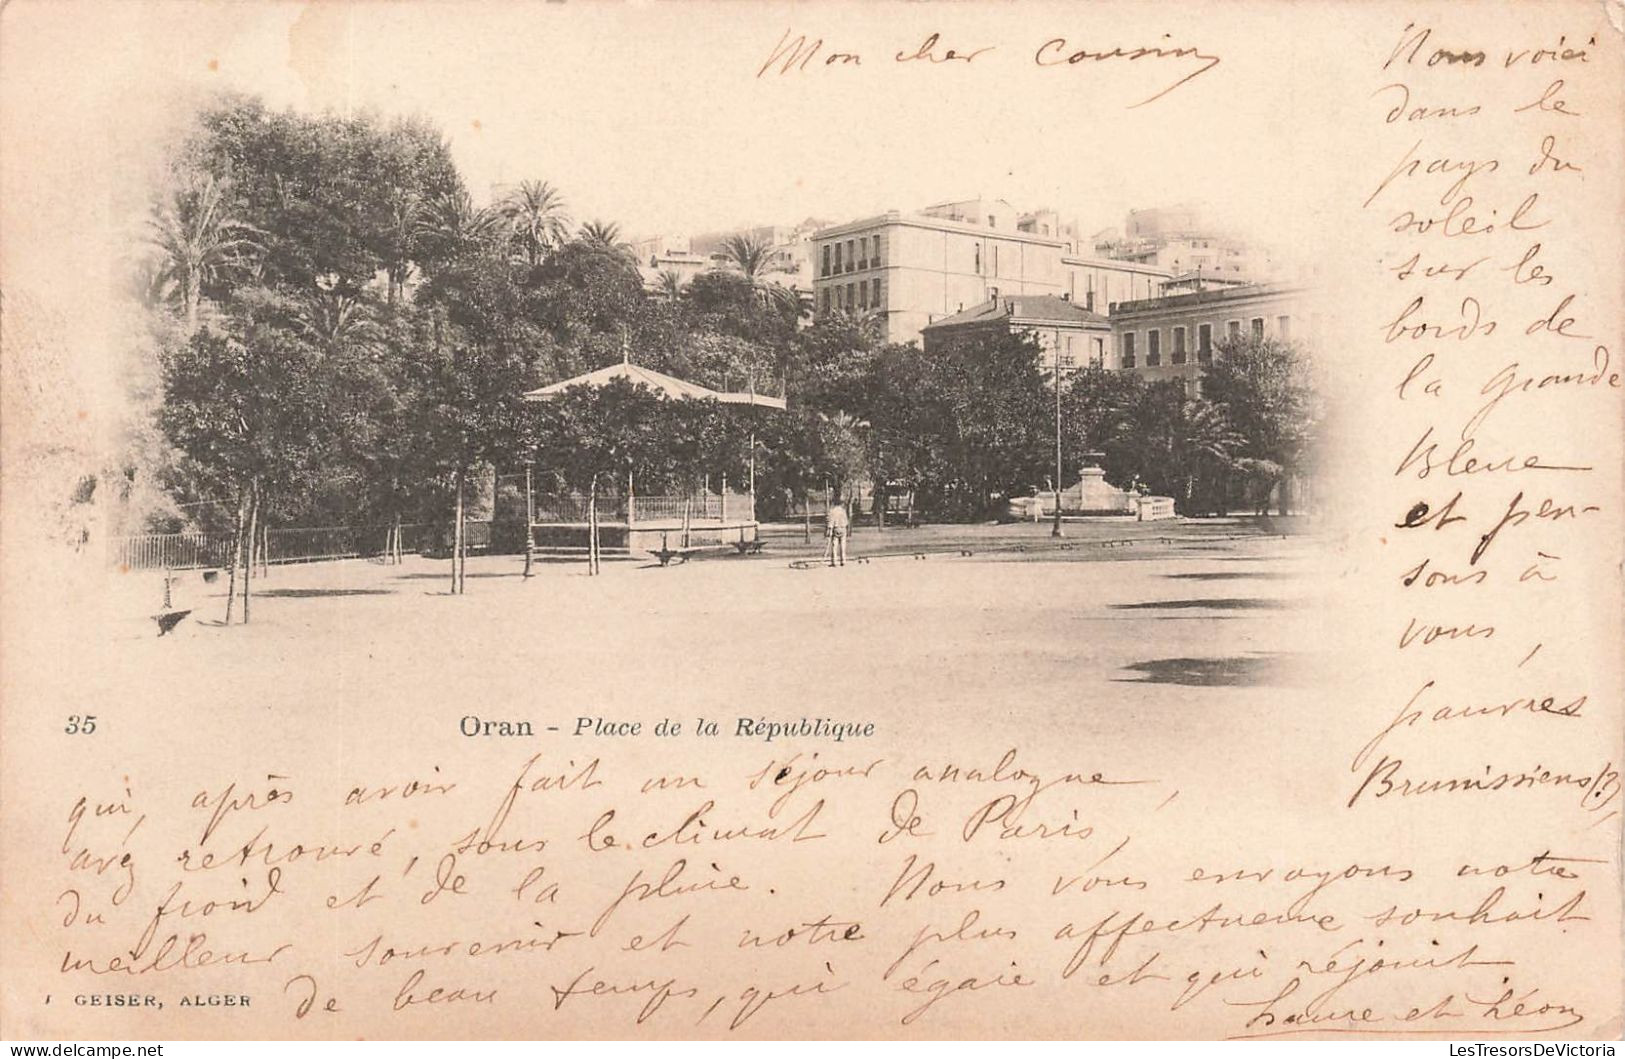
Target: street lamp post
{"points": [[1055, 531]]}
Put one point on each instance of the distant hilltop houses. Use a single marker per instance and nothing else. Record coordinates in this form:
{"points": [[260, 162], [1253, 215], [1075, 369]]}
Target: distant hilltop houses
{"points": [[1155, 296]]}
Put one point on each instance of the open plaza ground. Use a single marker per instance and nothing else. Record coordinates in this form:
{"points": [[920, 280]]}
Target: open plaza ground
{"points": [[1177, 625]]}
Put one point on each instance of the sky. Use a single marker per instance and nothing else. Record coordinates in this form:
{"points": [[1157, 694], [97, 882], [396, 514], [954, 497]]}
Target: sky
{"points": [[664, 118], [658, 116]]}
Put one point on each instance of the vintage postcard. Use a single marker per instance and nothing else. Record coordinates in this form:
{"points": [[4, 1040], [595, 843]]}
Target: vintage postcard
{"points": [[708, 520]]}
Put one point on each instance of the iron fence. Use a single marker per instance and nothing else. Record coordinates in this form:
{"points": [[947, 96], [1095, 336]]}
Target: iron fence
{"points": [[573, 507], [296, 544], [173, 551]]}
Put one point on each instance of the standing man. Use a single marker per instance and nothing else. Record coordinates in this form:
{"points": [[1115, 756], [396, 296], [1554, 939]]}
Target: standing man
{"points": [[836, 525]]}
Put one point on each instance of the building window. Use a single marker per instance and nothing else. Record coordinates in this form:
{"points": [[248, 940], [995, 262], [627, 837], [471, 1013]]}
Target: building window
{"points": [[875, 257], [995, 259], [978, 250], [1204, 343], [1258, 327], [1179, 346], [863, 295], [1089, 301], [1232, 329], [1128, 349], [1283, 328], [851, 296], [1153, 347], [825, 270], [851, 257], [823, 298], [874, 292], [837, 257], [1098, 358]]}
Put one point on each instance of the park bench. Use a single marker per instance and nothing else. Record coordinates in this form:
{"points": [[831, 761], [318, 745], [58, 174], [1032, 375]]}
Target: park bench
{"points": [[666, 553]]}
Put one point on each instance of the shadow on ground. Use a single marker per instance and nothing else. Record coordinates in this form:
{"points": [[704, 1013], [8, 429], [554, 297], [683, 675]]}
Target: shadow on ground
{"points": [[1242, 671], [1238, 603], [319, 593], [1233, 575], [447, 575]]}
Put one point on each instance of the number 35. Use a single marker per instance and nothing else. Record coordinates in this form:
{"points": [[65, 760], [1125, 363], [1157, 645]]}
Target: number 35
{"points": [[78, 725]]}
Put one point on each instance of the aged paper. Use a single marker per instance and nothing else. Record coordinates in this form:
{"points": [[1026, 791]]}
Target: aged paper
{"points": [[1349, 771]]}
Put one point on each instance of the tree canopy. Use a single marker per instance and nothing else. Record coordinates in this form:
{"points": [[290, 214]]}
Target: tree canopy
{"points": [[345, 333]]}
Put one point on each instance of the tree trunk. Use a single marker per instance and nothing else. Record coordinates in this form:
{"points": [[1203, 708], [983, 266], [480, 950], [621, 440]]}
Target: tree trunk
{"points": [[530, 520], [253, 534], [236, 558], [592, 526], [457, 537], [462, 548], [806, 519]]}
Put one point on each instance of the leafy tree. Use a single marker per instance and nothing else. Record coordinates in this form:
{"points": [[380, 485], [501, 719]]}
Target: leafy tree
{"points": [[247, 401], [730, 304], [1268, 396], [1100, 413], [830, 361], [466, 411], [476, 349], [335, 196], [967, 425], [595, 437], [410, 165]]}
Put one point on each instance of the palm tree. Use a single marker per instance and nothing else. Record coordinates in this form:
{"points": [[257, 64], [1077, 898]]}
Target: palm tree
{"points": [[151, 282], [336, 320], [864, 323], [604, 235], [751, 256], [451, 225], [792, 307], [535, 211], [405, 211], [1201, 443], [670, 284], [199, 239], [748, 254]]}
